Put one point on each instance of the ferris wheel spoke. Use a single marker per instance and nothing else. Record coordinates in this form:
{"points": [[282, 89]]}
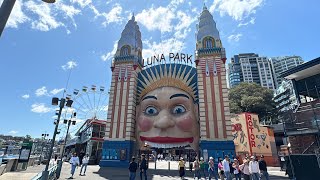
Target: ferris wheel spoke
{"points": [[85, 102], [89, 100], [81, 104]]}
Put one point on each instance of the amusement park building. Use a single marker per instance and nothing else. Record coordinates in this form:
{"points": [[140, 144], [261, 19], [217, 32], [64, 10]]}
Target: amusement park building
{"points": [[204, 119]]}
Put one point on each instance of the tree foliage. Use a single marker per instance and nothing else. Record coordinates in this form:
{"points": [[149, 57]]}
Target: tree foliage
{"points": [[251, 97]]}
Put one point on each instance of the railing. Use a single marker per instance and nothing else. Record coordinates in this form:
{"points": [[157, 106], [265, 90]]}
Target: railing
{"points": [[52, 174], [308, 147]]}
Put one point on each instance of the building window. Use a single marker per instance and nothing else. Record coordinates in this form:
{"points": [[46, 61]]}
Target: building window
{"points": [[125, 50], [208, 42]]}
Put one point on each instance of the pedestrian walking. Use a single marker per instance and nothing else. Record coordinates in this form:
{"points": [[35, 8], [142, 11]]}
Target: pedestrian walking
{"points": [[202, 168], [226, 167], [181, 168], [236, 169], [196, 166], [263, 168], [74, 161], [85, 161], [254, 168], [133, 166], [211, 171], [220, 169], [244, 168], [143, 167]]}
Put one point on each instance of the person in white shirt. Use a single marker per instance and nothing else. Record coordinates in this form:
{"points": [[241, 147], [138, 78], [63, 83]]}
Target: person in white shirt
{"points": [[254, 168], [226, 167], [84, 165], [74, 161]]}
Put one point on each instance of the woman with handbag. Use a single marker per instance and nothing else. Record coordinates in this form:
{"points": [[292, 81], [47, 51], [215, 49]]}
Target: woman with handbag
{"points": [[220, 169], [236, 171], [244, 168]]}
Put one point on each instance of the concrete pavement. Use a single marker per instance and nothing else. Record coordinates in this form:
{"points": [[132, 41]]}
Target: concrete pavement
{"points": [[94, 172], [23, 174]]}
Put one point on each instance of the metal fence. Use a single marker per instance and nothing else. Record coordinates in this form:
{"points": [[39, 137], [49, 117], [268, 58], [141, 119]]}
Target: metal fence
{"points": [[306, 167], [52, 174]]}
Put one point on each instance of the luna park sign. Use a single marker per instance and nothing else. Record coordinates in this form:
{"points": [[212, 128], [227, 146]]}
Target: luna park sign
{"points": [[180, 58]]}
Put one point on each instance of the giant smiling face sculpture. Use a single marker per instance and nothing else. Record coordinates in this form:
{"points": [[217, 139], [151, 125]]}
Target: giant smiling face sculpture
{"points": [[167, 117]]}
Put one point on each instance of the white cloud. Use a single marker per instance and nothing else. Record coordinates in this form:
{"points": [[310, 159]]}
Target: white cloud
{"points": [[40, 108], [68, 11], [56, 91], [82, 3], [157, 19], [26, 96], [166, 46], [252, 21], [46, 19], [17, 16], [110, 54], [41, 91], [237, 9], [13, 132], [113, 16], [234, 37], [69, 65]]}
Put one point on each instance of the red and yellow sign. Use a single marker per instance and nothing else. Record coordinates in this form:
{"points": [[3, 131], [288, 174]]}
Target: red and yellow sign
{"points": [[250, 137]]}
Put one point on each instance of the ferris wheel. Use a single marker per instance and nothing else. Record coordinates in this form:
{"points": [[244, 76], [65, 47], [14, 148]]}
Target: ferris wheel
{"points": [[88, 103]]}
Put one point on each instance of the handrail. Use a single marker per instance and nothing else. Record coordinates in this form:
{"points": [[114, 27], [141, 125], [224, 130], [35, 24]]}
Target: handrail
{"points": [[308, 147], [51, 173]]}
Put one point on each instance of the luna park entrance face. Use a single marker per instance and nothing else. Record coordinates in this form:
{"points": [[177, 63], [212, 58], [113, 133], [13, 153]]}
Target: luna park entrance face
{"points": [[167, 158]]}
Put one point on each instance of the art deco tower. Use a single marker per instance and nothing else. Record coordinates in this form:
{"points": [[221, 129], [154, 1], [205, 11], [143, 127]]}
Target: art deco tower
{"points": [[215, 124], [120, 129]]}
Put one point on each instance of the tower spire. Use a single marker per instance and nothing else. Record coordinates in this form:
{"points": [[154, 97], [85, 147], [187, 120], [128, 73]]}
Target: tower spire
{"points": [[204, 6]]}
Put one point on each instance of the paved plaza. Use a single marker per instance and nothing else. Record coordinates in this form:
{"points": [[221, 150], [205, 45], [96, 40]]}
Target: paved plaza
{"points": [[94, 172]]}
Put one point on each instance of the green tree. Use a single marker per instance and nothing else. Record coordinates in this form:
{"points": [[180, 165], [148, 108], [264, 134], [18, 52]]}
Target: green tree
{"points": [[251, 97]]}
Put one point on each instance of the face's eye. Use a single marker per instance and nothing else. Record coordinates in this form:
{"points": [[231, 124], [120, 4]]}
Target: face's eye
{"points": [[151, 111], [179, 109]]}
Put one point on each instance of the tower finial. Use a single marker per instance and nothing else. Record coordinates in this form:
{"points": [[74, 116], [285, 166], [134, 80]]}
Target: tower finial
{"points": [[204, 6], [133, 18]]}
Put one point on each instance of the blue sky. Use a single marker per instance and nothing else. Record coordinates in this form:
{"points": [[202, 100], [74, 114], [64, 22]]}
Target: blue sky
{"points": [[43, 43]]}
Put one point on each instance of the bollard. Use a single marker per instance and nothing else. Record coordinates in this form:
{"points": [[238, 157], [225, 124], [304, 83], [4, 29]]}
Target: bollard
{"points": [[169, 165], [155, 164]]}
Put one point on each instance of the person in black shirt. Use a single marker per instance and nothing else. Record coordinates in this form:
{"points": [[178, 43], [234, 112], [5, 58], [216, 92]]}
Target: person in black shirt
{"points": [[263, 168], [143, 167], [133, 166]]}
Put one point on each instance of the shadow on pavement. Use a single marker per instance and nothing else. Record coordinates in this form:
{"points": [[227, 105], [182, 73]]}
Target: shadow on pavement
{"points": [[123, 174]]}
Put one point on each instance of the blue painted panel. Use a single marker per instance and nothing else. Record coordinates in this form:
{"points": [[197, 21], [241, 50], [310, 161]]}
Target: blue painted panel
{"points": [[116, 153]]}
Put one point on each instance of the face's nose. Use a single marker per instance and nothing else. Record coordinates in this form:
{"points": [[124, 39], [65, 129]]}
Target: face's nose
{"points": [[164, 121]]}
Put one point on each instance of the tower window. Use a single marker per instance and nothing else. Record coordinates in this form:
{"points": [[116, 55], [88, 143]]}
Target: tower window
{"points": [[208, 42], [125, 50]]}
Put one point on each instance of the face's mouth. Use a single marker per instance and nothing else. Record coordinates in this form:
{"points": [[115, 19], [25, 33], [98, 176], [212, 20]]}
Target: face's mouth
{"points": [[166, 140]]}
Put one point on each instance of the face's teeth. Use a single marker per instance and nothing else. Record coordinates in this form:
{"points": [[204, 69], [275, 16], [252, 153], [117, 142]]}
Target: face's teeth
{"points": [[171, 145]]}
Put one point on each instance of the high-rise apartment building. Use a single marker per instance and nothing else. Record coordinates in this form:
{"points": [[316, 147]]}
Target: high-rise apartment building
{"points": [[281, 64], [250, 67]]}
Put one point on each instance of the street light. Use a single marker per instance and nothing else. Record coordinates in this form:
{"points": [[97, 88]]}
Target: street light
{"points": [[55, 101], [43, 139], [69, 122], [66, 121], [5, 11]]}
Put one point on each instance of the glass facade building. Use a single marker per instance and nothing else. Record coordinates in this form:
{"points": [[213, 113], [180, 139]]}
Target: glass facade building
{"points": [[250, 68]]}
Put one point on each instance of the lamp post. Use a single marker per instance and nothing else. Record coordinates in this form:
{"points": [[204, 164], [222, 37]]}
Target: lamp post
{"points": [[66, 121], [43, 139], [5, 11], [69, 122], [288, 146], [55, 101]]}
